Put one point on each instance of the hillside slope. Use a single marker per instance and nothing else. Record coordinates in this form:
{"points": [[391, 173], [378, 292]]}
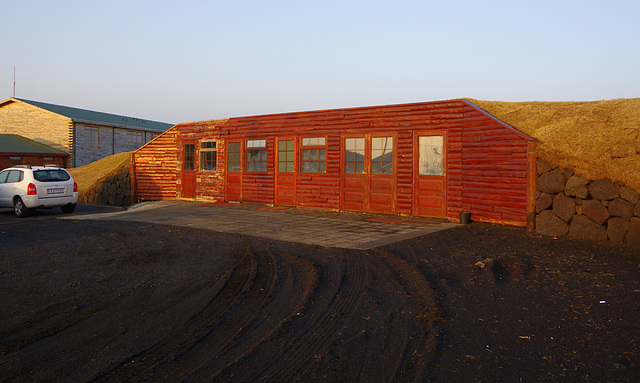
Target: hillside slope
{"points": [[86, 176], [598, 139]]}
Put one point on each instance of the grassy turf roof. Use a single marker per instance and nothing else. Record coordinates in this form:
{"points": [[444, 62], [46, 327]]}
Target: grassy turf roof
{"points": [[88, 175], [598, 139]]}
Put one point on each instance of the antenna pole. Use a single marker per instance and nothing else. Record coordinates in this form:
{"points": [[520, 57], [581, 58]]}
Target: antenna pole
{"points": [[14, 81]]}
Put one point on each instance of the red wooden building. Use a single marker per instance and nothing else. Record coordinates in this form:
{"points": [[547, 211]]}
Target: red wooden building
{"points": [[433, 159]]}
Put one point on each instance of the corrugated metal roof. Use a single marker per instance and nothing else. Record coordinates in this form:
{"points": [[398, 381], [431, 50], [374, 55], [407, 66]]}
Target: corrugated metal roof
{"points": [[99, 117], [12, 143]]}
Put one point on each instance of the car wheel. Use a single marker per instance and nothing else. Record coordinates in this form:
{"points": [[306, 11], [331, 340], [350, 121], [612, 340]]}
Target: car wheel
{"points": [[68, 208], [19, 209]]}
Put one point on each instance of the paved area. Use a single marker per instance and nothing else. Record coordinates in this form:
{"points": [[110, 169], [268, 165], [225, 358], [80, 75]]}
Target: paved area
{"points": [[332, 229]]}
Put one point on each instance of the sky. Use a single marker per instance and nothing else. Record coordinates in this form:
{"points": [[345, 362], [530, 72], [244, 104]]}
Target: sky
{"points": [[178, 61]]}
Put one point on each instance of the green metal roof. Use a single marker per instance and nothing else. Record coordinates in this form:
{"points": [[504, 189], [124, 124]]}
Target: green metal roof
{"points": [[12, 143], [99, 117]]}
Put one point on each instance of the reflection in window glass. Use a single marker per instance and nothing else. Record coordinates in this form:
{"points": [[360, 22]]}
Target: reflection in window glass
{"points": [[354, 155], [256, 143], [431, 155], [382, 155], [314, 160], [313, 141], [257, 160]]}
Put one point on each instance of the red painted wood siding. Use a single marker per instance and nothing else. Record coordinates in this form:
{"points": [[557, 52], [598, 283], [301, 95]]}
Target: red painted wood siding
{"points": [[156, 166], [486, 166]]}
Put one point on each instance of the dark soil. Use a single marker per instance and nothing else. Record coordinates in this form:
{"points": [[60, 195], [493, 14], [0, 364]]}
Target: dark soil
{"points": [[122, 301]]}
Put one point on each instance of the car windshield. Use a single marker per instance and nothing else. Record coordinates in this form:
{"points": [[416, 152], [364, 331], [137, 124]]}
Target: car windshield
{"points": [[51, 175]]}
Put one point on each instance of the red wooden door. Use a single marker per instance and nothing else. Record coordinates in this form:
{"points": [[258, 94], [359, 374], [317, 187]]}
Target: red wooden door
{"points": [[368, 177], [233, 177], [286, 171], [354, 177], [382, 175], [188, 170], [430, 174]]}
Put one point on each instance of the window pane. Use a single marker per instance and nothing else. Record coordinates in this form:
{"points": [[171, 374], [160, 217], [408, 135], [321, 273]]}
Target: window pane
{"points": [[431, 151], [233, 157], [354, 155], [189, 156], [382, 155]]}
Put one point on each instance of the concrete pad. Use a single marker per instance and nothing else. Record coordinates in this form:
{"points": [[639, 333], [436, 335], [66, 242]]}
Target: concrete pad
{"points": [[332, 229]]}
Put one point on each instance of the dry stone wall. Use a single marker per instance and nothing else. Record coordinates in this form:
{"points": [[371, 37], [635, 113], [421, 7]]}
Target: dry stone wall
{"points": [[598, 210], [114, 189]]}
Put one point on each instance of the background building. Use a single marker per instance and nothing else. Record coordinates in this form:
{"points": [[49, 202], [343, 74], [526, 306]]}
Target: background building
{"points": [[85, 135]]}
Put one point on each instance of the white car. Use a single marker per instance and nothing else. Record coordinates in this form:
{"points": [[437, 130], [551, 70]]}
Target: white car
{"points": [[26, 187]]}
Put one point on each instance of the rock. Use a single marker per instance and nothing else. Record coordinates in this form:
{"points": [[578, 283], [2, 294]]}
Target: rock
{"points": [[537, 194], [548, 223], [568, 173], [543, 166], [633, 233], [552, 182], [577, 187], [595, 210], [636, 211], [604, 189], [584, 228], [629, 194], [621, 208], [564, 207], [616, 229], [544, 202]]}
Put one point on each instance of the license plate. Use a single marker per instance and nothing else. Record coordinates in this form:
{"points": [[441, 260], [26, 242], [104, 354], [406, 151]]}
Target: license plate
{"points": [[55, 191]]}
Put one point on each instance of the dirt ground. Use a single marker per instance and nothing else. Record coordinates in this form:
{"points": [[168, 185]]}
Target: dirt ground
{"points": [[123, 301]]}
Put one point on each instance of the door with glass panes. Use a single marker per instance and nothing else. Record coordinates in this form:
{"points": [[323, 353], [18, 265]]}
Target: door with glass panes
{"points": [[188, 180], [430, 174], [368, 173], [286, 171]]}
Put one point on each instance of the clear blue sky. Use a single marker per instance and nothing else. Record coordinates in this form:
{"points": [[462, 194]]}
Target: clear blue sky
{"points": [[177, 61]]}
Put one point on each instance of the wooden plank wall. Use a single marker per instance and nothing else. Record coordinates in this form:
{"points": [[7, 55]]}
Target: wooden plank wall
{"points": [[487, 161], [156, 168]]}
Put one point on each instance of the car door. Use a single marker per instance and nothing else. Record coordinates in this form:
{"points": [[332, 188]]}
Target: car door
{"points": [[3, 189]]}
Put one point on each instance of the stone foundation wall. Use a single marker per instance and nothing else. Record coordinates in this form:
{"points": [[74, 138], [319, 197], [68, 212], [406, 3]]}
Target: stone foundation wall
{"points": [[599, 210], [114, 189]]}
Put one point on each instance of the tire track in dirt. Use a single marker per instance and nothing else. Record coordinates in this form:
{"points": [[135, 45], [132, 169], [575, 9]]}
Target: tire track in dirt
{"points": [[217, 336], [420, 332], [316, 336], [142, 363], [296, 278]]}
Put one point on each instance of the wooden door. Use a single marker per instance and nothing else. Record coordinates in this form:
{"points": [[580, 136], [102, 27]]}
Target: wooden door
{"points": [[368, 176], [188, 170], [430, 174], [381, 190], [233, 175], [354, 174], [286, 171]]}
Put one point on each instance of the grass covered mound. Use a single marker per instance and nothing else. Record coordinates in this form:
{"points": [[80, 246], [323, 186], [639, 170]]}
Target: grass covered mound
{"points": [[86, 176], [598, 139]]}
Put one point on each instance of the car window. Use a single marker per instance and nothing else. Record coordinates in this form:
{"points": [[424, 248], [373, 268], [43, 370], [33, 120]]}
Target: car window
{"points": [[14, 176], [51, 175], [3, 176]]}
